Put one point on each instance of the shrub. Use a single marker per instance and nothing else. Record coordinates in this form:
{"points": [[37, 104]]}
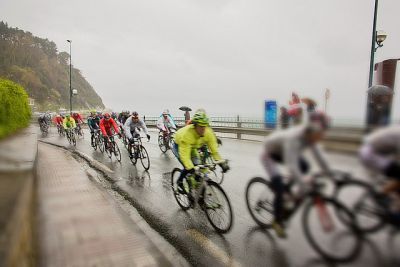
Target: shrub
{"points": [[15, 112]]}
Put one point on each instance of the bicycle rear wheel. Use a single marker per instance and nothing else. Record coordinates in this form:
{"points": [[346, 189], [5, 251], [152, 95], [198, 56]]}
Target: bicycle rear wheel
{"points": [[144, 158], [327, 234], [359, 198], [182, 199], [259, 200], [101, 144], [217, 207]]}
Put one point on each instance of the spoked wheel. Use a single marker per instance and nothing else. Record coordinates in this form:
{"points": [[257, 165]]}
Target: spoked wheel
{"points": [[100, 144], [144, 158], [73, 139], [217, 207], [182, 198], [125, 141], [161, 144], [259, 200], [359, 198], [95, 143], [133, 155], [327, 234], [117, 152], [109, 149]]}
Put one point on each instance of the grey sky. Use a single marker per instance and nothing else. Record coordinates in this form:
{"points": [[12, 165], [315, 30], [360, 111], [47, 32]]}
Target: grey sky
{"points": [[227, 56]]}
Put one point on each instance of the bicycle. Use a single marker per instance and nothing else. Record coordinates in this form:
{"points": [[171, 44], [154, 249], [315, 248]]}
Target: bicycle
{"points": [[207, 194], [111, 148], [370, 207], [137, 151], [165, 140], [206, 158], [98, 141], [125, 140], [71, 136], [320, 213], [44, 128], [60, 130]]}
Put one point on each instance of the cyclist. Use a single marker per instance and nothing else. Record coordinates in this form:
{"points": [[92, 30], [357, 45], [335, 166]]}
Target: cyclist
{"points": [[44, 118], [107, 124], [286, 147], [93, 122], [58, 120], [380, 152], [187, 142], [166, 124], [123, 116], [78, 120], [68, 123], [132, 125]]}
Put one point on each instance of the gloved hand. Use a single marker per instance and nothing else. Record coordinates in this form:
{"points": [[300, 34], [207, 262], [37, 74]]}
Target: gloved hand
{"points": [[119, 135], [148, 137], [224, 166]]}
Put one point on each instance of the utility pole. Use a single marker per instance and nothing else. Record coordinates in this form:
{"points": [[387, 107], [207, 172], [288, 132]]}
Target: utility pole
{"points": [[70, 76]]}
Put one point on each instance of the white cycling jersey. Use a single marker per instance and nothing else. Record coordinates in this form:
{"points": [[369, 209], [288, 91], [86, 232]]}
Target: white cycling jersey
{"points": [[132, 127]]}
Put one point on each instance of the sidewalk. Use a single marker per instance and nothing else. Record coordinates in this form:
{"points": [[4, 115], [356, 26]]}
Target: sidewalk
{"points": [[80, 224]]}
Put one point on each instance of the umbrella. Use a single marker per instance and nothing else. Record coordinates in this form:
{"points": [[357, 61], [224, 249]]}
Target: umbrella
{"points": [[184, 108], [380, 90]]}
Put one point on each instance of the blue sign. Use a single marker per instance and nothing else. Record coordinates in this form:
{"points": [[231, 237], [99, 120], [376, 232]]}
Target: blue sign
{"points": [[270, 115]]}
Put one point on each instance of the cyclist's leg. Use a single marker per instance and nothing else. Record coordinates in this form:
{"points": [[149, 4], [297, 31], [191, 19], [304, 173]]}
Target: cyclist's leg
{"points": [[270, 163]]}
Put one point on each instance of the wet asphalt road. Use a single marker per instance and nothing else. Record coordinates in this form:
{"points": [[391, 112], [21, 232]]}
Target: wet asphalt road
{"points": [[246, 244]]}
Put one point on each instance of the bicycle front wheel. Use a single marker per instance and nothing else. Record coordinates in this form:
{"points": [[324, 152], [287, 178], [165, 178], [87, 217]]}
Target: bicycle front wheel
{"points": [[217, 207], [326, 232], [144, 158], [117, 152], [161, 144], [259, 200], [73, 139], [182, 198], [101, 144]]}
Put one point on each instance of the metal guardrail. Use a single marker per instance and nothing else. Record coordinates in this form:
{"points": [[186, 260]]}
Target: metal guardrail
{"points": [[341, 138]]}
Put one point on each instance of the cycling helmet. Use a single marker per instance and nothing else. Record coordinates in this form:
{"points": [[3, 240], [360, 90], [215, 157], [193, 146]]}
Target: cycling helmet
{"points": [[165, 112], [68, 115], [113, 115], [200, 118], [135, 114], [107, 116]]}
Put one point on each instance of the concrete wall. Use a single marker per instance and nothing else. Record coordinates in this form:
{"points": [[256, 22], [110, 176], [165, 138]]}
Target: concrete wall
{"points": [[17, 206]]}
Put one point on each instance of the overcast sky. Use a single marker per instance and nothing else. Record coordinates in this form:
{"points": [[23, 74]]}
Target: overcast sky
{"points": [[227, 56]]}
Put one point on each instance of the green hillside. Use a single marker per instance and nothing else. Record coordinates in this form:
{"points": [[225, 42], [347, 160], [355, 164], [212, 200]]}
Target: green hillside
{"points": [[36, 64]]}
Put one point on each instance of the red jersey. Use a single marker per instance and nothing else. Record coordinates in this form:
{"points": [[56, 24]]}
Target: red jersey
{"points": [[58, 120], [77, 117], [106, 126]]}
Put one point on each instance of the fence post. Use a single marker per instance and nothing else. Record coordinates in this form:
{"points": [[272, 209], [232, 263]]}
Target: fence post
{"points": [[239, 125]]}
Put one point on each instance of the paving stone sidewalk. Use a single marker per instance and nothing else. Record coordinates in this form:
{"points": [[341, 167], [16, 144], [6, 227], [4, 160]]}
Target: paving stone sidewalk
{"points": [[80, 224]]}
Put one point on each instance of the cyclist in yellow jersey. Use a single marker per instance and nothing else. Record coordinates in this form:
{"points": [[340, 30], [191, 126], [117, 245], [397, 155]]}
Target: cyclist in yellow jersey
{"points": [[189, 139], [69, 122]]}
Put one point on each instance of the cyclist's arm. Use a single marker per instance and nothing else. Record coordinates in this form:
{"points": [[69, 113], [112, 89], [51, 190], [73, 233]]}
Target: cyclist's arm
{"points": [[320, 158], [143, 126], [185, 150], [127, 127], [103, 129], [115, 126], [64, 123], [291, 156], [213, 145]]}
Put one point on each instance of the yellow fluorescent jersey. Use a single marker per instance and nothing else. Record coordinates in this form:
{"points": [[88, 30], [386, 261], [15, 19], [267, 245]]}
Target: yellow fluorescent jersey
{"points": [[69, 123], [189, 141]]}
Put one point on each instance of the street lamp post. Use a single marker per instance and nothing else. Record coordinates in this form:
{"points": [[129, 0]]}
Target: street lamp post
{"points": [[70, 75], [377, 39]]}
